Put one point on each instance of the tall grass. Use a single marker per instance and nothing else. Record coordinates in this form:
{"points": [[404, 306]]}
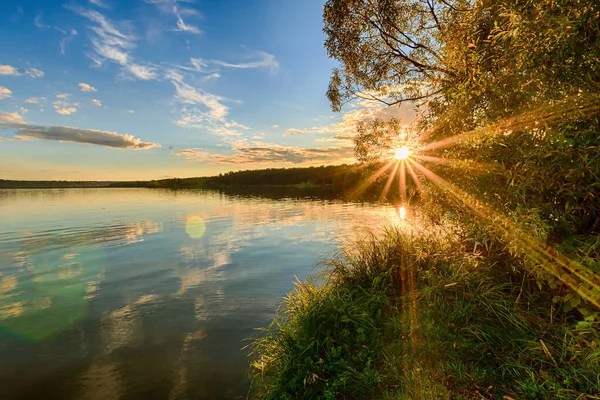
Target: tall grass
{"points": [[406, 316]]}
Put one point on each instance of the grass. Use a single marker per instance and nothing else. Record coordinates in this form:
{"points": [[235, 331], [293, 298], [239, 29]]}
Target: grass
{"points": [[406, 316]]}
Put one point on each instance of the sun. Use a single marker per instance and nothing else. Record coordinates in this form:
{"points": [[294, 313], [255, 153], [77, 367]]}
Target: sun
{"points": [[402, 153]]}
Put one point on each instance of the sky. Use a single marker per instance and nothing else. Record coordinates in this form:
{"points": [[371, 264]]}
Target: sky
{"points": [[151, 89]]}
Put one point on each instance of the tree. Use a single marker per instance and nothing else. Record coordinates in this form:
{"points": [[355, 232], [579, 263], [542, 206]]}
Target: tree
{"points": [[512, 87]]}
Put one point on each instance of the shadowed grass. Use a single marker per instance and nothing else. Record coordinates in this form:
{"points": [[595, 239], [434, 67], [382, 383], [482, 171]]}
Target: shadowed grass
{"points": [[406, 316]]}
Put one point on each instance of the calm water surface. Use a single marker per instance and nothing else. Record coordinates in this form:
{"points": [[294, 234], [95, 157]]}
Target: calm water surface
{"points": [[143, 294]]}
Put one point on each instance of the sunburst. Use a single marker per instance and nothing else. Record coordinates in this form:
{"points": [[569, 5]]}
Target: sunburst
{"points": [[406, 158]]}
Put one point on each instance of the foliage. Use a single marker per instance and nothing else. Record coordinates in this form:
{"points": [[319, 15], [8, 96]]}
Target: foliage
{"points": [[387, 47], [514, 117], [439, 323]]}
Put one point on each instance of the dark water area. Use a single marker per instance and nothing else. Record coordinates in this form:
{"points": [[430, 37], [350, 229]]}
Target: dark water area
{"points": [[150, 294]]}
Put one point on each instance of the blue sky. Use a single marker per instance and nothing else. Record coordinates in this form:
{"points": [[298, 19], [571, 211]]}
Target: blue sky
{"points": [[143, 89]]}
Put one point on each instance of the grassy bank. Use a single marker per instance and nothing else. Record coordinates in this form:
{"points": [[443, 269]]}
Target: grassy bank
{"points": [[407, 316]]}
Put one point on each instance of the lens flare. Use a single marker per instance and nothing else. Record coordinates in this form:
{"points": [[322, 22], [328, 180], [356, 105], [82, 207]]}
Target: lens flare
{"points": [[195, 227], [402, 153], [402, 212]]}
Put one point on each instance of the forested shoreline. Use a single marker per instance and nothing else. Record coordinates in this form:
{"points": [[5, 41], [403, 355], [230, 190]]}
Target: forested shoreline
{"points": [[329, 181]]}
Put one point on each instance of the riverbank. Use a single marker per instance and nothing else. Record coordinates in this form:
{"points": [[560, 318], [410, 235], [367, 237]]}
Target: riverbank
{"points": [[412, 315]]}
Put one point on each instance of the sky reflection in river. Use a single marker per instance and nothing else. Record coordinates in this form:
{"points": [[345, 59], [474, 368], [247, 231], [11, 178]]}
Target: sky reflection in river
{"points": [[149, 294]]}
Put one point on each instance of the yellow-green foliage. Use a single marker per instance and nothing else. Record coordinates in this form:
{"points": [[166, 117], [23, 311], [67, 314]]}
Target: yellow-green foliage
{"points": [[405, 316]]}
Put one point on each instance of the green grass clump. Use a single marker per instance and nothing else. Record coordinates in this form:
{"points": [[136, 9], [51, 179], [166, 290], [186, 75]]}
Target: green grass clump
{"points": [[407, 316], [325, 343]]}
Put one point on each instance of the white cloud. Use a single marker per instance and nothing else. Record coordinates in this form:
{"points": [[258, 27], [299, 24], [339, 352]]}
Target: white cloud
{"points": [[268, 153], [85, 87], [182, 26], [112, 43], [66, 110], [142, 72], [76, 135], [209, 77], [170, 6], [9, 70], [6, 69], [62, 106], [99, 3], [265, 60], [97, 102], [346, 129], [187, 94], [35, 100], [14, 118], [130, 111], [37, 21], [66, 39], [195, 118], [4, 92], [274, 126], [34, 73], [260, 59]]}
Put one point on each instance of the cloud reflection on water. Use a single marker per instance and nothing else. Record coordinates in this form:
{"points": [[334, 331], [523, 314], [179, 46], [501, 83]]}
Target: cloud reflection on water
{"points": [[117, 273]]}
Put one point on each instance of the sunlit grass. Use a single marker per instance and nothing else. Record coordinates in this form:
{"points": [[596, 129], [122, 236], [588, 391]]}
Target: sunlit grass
{"points": [[405, 316]]}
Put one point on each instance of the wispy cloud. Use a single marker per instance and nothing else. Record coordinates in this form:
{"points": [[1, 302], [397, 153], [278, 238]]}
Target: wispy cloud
{"points": [[85, 87], [13, 118], [4, 92], [37, 21], [266, 153], [34, 73], [114, 44], [76, 135], [12, 71], [35, 100], [143, 72], [170, 6], [346, 128], [258, 59], [99, 3], [183, 27], [97, 102], [187, 94], [264, 60], [66, 39], [67, 36], [195, 118]]}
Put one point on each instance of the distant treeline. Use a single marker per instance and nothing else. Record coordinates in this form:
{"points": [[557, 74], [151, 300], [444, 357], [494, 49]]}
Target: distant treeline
{"points": [[332, 180], [333, 175], [9, 184]]}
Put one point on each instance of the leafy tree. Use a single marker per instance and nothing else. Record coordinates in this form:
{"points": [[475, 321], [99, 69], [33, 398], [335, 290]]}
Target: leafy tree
{"points": [[513, 103]]}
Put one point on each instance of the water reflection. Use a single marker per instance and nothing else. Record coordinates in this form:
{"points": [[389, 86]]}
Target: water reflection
{"points": [[146, 293]]}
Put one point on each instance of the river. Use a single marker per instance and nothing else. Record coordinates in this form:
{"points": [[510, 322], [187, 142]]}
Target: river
{"points": [[145, 293]]}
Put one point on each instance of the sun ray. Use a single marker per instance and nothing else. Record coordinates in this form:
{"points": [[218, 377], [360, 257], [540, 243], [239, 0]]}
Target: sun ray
{"points": [[389, 182], [456, 163], [571, 273], [414, 177], [402, 181], [361, 188], [540, 117]]}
